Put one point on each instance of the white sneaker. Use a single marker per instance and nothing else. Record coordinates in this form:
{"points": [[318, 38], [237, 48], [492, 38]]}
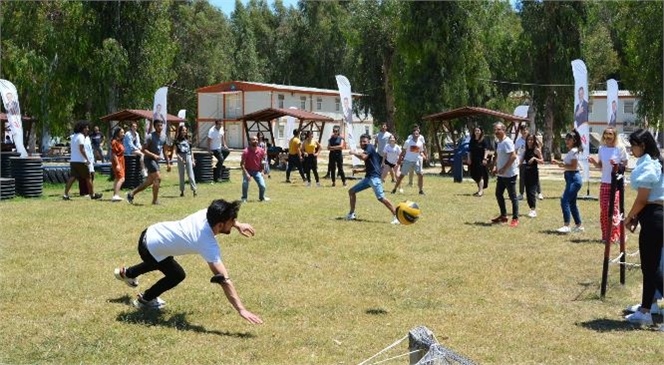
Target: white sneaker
{"points": [[640, 318], [661, 328], [578, 229], [265, 199], [145, 173], [244, 200], [540, 196], [156, 303], [116, 198], [351, 216], [532, 214], [654, 308], [395, 220], [400, 190], [120, 275], [564, 229]]}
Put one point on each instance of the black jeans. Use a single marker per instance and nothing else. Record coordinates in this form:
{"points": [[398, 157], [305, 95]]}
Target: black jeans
{"points": [[336, 162], [173, 272], [531, 181], [220, 155], [294, 162], [311, 165], [650, 251], [508, 183]]}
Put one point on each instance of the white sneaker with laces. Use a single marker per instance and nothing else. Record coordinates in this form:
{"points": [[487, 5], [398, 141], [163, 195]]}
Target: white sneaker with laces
{"points": [[156, 303], [400, 190], [532, 214], [395, 220], [540, 196], [308, 184], [640, 318], [116, 198], [578, 229], [120, 275], [351, 216], [563, 229], [265, 199], [654, 308]]}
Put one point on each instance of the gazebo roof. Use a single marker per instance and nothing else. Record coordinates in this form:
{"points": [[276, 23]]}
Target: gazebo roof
{"points": [[273, 113], [136, 114], [470, 111]]}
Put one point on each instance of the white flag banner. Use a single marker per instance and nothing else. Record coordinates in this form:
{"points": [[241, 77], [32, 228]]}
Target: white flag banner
{"points": [[581, 112], [612, 102], [290, 126], [159, 108], [347, 108], [13, 110]]}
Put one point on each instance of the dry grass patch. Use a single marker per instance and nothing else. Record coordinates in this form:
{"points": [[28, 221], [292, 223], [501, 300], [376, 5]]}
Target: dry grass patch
{"points": [[330, 291]]}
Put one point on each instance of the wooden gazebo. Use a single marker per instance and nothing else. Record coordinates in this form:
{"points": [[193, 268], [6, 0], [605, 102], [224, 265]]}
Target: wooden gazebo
{"points": [[259, 121], [443, 119]]}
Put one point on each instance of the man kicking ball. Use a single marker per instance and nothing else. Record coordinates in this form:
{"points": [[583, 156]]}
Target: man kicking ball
{"points": [[160, 242], [372, 161]]}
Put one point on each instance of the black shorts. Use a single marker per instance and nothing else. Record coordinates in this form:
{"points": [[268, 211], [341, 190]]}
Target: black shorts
{"points": [[391, 165], [151, 165], [79, 170]]}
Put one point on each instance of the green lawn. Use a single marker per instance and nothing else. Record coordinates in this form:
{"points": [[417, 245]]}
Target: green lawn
{"points": [[329, 291]]}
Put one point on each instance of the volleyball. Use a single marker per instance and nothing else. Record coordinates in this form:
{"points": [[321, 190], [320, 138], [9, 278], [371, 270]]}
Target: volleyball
{"points": [[408, 212]]}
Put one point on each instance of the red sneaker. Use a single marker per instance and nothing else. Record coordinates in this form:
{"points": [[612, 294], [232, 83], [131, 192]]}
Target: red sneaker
{"points": [[514, 223], [499, 219]]}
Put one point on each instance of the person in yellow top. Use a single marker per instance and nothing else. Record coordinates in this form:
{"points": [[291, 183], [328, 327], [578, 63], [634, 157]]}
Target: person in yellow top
{"points": [[294, 156], [310, 150]]}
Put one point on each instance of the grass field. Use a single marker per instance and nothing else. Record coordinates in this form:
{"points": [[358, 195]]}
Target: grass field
{"points": [[330, 291]]}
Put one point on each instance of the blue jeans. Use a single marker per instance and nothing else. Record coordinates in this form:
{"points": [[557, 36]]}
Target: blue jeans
{"points": [[573, 183], [370, 182], [258, 176]]}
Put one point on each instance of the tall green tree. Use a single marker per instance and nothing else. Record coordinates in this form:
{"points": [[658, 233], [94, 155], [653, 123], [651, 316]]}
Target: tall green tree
{"points": [[551, 40]]}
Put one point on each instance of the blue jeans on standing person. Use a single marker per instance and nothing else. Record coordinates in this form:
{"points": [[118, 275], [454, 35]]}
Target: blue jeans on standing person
{"points": [[573, 183], [508, 183], [258, 177]]}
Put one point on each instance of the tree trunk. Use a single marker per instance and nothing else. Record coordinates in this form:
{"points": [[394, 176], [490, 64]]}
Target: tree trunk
{"points": [[548, 126], [389, 90]]}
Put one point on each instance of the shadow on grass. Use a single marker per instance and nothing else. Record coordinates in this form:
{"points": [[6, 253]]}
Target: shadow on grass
{"points": [[584, 240], [179, 321], [343, 219], [608, 325], [481, 224], [376, 311]]}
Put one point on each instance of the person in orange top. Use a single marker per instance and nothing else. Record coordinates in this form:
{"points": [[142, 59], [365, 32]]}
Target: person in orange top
{"points": [[117, 162]]}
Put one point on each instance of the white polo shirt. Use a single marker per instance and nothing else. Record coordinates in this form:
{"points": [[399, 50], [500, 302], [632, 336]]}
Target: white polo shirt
{"points": [[216, 136], [77, 140], [191, 235]]}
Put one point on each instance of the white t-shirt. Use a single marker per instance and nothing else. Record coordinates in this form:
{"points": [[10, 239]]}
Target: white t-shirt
{"points": [[87, 145], [520, 146], [605, 155], [413, 149], [77, 140], [382, 140], [392, 153], [573, 154], [191, 235], [504, 150], [215, 135]]}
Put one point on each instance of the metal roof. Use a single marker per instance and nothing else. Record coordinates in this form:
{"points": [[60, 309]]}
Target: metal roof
{"points": [[274, 113], [470, 111], [231, 86], [136, 114]]}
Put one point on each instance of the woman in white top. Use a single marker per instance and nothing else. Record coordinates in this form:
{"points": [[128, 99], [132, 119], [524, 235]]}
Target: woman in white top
{"points": [[573, 183], [390, 154], [610, 157]]}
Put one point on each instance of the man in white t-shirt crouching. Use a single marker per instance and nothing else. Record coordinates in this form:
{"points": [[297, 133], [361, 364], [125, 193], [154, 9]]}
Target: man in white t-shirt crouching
{"points": [[195, 234]]}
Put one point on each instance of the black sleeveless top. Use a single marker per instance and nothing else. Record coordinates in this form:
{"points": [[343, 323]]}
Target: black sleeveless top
{"points": [[527, 155]]}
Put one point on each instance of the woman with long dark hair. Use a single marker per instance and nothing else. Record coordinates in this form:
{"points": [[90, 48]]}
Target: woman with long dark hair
{"points": [[478, 150], [647, 179], [310, 150], [532, 157], [185, 160], [573, 183]]}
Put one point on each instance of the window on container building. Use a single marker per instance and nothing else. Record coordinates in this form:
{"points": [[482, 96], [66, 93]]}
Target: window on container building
{"points": [[280, 101], [337, 104], [303, 102], [319, 103], [628, 107]]}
